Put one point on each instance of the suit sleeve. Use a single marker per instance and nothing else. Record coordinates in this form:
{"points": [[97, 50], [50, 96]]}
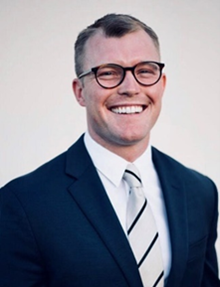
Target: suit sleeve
{"points": [[210, 274], [20, 261]]}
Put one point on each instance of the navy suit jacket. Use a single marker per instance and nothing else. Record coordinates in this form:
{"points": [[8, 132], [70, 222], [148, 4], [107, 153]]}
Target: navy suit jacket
{"points": [[59, 229]]}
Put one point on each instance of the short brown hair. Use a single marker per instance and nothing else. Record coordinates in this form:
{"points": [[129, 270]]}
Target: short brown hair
{"points": [[113, 25]]}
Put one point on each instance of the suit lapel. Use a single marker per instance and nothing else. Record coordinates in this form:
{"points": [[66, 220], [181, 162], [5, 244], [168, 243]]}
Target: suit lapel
{"points": [[175, 202], [88, 192]]}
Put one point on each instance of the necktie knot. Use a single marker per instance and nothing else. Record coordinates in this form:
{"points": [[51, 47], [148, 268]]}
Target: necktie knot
{"points": [[132, 176]]}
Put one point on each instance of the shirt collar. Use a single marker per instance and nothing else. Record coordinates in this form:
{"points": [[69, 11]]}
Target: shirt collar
{"points": [[113, 166]]}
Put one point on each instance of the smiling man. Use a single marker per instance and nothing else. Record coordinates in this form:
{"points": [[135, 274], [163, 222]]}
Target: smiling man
{"points": [[122, 106], [112, 210]]}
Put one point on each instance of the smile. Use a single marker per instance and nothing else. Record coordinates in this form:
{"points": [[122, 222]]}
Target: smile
{"points": [[128, 110]]}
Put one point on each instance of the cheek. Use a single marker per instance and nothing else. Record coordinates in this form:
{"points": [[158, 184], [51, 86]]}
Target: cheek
{"points": [[95, 99], [93, 106], [156, 94]]}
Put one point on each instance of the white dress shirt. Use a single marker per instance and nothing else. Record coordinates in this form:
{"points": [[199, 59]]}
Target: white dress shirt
{"points": [[111, 171]]}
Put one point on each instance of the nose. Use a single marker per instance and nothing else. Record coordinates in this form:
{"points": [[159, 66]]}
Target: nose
{"points": [[129, 86]]}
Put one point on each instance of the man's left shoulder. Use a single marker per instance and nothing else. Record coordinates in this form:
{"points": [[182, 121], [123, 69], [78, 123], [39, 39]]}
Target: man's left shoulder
{"points": [[177, 169]]}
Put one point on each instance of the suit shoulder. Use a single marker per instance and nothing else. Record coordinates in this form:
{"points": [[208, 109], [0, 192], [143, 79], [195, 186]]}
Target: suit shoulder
{"points": [[51, 176], [190, 175], [52, 169]]}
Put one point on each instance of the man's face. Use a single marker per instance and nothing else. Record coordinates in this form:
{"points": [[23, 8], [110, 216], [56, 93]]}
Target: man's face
{"points": [[106, 125]]}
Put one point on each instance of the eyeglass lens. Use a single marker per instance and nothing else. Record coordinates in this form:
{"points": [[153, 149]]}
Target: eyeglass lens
{"points": [[111, 75]]}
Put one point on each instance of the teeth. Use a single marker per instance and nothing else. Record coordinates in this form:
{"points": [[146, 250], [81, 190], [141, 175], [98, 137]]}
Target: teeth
{"points": [[128, 110]]}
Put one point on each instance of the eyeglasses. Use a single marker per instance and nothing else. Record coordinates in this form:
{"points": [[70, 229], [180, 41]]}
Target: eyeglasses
{"points": [[110, 76]]}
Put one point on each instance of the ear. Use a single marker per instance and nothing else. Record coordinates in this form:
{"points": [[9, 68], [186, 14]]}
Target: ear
{"points": [[164, 81], [78, 91]]}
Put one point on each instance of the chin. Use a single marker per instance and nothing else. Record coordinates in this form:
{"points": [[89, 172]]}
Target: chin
{"points": [[133, 139]]}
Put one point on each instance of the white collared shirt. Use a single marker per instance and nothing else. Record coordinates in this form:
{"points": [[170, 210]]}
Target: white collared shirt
{"points": [[111, 171]]}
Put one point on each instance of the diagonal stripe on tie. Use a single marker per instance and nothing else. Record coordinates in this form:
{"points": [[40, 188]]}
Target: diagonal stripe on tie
{"points": [[148, 250], [158, 279], [142, 232], [137, 217]]}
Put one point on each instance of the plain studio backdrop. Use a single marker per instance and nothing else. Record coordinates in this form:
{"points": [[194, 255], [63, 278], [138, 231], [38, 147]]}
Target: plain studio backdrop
{"points": [[39, 117]]}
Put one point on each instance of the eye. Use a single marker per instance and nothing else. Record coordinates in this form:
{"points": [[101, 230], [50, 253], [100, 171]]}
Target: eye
{"points": [[108, 72], [105, 73], [146, 70]]}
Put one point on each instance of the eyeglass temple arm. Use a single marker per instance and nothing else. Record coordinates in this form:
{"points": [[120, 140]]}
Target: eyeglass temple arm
{"points": [[84, 74]]}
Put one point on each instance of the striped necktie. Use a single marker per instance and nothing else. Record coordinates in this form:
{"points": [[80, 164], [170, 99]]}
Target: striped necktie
{"points": [[142, 232]]}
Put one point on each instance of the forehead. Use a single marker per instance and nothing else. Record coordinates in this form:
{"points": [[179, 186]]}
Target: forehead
{"points": [[126, 50]]}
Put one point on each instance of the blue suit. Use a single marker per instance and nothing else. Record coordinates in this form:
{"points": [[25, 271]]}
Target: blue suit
{"points": [[58, 227]]}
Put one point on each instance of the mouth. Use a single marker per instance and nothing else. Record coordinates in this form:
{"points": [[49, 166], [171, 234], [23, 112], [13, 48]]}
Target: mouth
{"points": [[128, 109]]}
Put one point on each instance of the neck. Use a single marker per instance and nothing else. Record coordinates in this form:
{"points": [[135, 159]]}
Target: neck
{"points": [[130, 152]]}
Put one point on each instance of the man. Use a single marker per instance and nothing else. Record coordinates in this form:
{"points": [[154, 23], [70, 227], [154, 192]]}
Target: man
{"points": [[68, 223]]}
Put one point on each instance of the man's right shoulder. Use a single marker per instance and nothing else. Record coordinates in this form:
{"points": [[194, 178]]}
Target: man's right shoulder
{"points": [[51, 169], [47, 172]]}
